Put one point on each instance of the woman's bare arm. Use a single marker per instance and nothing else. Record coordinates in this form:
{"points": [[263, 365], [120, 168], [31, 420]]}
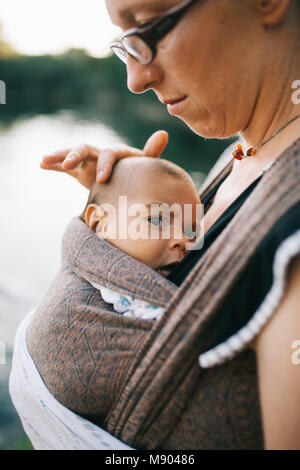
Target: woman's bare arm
{"points": [[279, 372], [88, 164]]}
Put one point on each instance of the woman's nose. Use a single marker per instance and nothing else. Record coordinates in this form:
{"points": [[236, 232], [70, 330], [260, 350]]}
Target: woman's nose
{"points": [[140, 78]]}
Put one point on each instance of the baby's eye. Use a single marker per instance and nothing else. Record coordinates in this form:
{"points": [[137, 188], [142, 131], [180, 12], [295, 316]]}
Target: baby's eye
{"points": [[157, 221], [190, 234]]}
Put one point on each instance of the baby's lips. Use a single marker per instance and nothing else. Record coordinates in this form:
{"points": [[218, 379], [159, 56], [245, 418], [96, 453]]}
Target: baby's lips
{"points": [[166, 270], [163, 272]]}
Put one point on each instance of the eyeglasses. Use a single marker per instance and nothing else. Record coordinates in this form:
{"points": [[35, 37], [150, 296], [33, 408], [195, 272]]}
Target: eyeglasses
{"points": [[141, 42]]}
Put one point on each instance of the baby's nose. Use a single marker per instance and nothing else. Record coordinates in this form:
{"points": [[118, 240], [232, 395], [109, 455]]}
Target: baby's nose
{"points": [[178, 244]]}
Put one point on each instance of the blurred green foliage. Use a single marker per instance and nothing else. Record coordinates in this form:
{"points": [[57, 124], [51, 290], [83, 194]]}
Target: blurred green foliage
{"points": [[6, 50], [96, 89], [21, 444]]}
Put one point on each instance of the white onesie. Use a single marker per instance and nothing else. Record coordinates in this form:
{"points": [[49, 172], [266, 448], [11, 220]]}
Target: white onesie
{"points": [[129, 306]]}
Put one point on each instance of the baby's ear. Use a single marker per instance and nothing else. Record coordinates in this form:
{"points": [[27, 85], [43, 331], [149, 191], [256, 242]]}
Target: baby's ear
{"points": [[93, 215]]}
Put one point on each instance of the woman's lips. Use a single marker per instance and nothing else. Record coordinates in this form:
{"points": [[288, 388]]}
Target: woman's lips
{"points": [[176, 107]]}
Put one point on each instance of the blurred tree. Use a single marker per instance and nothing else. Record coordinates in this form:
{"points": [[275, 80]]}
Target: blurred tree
{"points": [[6, 50], [96, 89]]}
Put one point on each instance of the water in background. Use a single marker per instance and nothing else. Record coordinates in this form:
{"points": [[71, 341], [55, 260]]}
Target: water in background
{"points": [[35, 207]]}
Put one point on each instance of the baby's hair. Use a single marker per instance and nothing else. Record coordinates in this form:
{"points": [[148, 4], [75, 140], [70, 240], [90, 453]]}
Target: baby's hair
{"points": [[121, 178]]}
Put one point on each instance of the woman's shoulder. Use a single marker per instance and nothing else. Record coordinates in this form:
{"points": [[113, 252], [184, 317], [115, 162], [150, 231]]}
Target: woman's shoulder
{"points": [[257, 291]]}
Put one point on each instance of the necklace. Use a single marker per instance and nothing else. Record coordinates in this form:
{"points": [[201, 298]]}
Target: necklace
{"points": [[238, 152]]}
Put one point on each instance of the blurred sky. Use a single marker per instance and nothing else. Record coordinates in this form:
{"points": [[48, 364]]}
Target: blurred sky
{"points": [[51, 26]]}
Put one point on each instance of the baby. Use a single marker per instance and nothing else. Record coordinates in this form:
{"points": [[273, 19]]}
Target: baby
{"points": [[150, 209]]}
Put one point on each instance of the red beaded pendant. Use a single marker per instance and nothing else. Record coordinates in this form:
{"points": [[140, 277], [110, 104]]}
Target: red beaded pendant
{"points": [[238, 152]]}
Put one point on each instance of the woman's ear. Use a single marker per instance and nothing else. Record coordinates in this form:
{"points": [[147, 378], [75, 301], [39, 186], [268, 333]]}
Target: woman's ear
{"points": [[273, 12], [93, 215]]}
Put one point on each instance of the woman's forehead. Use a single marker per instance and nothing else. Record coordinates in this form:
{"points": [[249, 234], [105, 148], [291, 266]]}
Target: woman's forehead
{"points": [[125, 10]]}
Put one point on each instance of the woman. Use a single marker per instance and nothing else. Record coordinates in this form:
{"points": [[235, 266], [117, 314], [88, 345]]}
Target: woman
{"points": [[226, 67]]}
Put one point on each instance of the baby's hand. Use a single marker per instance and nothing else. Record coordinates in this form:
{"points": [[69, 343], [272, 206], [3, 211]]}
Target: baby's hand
{"points": [[87, 163]]}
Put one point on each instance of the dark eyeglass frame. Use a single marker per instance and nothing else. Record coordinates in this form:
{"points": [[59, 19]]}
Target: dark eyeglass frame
{"points": [[153, 31]]}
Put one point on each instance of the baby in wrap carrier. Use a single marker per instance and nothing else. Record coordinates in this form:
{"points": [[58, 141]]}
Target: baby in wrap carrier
{"points": [[98, 313], [151, 210]]}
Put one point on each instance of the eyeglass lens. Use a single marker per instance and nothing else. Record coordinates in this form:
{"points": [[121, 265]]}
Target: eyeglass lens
{"points": [[136, 47]]}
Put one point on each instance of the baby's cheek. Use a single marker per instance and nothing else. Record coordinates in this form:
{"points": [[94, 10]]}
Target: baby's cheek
{"points": [[152, 252], [155, 253], [149, 252], [142, 250]]}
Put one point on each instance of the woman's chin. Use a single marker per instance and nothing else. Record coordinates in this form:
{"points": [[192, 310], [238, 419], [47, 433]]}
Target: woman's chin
{"points": [[204, 130], [204, 125]]}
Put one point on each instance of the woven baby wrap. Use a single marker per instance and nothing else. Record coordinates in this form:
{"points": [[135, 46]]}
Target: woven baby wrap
{"points": [[139, 379]]}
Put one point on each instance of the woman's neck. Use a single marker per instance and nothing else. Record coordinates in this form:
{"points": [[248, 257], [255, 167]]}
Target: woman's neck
{"points": [[261, 132], [276, 146], [275, 106]]}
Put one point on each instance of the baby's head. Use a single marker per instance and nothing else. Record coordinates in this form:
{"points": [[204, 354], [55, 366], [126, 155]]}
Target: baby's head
{"points": [[148, 209]]}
